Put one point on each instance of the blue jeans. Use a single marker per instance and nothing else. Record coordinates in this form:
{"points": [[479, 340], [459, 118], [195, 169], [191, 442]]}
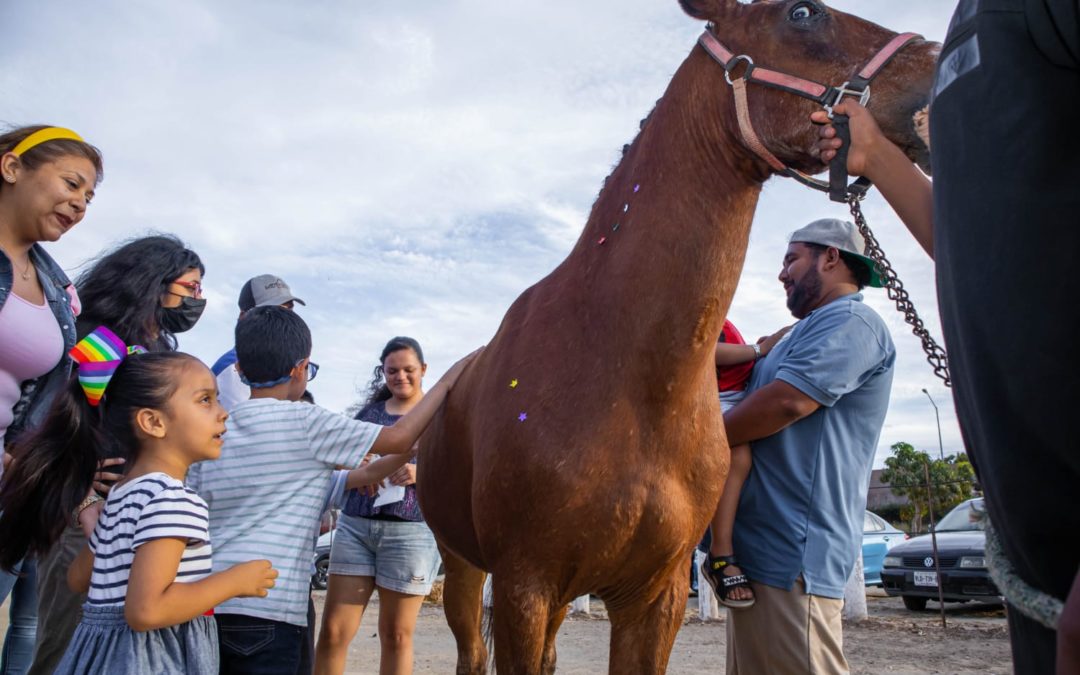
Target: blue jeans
{"points": [[22, 627], [253, 646]]}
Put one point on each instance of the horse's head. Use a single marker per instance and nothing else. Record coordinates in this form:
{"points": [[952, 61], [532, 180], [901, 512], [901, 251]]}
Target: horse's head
{"points": [[808, 40]]}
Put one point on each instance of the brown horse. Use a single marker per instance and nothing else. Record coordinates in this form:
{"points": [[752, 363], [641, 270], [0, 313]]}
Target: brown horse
{"points": [[584, 451]]}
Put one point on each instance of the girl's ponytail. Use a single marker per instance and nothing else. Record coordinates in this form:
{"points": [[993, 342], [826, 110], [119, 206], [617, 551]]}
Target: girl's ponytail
{"points": [[52, 472], [93, 419]]}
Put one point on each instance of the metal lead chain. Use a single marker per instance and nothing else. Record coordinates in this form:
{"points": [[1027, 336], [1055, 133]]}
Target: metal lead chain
{"points": [[935, 354]]}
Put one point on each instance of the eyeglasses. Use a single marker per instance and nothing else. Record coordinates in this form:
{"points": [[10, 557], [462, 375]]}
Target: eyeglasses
{"points": [[312, 371], [193, 287]]}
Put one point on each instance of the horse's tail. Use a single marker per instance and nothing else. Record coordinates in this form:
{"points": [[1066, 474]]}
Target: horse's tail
{"points": [[487, 622]]}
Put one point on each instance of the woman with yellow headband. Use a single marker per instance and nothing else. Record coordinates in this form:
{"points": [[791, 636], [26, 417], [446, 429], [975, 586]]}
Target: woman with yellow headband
{"points": [[47, 179]]}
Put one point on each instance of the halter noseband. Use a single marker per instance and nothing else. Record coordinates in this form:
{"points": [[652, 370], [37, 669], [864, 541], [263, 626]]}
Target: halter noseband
{"points": [[827, 97]]}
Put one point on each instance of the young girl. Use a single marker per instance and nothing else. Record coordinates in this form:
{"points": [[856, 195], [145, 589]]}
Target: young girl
{"points": [[147, 565], [734, 363], [145, 290]]}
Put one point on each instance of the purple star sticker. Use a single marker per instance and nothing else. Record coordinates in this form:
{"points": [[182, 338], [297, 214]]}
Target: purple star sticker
{"points": [[522, 417], [637, 187]]}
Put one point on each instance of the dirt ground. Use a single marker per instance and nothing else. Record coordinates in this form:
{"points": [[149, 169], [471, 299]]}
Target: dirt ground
{"points": [[892, 640]]}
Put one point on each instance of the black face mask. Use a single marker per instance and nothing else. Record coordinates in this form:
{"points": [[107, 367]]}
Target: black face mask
{"points": [[184, 317]]}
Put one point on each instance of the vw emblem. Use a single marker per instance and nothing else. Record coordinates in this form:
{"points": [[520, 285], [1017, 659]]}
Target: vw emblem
{"points": [[929, 562]]}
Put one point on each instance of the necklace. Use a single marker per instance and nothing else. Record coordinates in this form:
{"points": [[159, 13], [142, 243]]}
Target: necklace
{"points": [[25, 273]]}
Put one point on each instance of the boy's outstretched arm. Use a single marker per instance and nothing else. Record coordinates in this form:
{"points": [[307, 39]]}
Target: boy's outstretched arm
{"points": [[373, 472], [908, 191]]}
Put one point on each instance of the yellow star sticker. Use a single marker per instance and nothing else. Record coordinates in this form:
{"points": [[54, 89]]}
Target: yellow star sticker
{"points": [[513, 383]]}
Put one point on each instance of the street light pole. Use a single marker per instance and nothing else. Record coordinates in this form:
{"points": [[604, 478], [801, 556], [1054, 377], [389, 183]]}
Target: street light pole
{"points": [[937, 416]]}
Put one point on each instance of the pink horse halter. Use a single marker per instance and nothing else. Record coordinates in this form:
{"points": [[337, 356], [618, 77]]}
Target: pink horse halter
{"points": [[827, 97]]}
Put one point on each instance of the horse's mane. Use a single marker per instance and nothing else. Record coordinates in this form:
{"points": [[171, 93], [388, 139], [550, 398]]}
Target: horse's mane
{"points": [[626, 147]]}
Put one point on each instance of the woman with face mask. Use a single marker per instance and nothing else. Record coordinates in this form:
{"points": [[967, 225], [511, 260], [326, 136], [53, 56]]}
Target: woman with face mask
{"points": [[146, 291]]}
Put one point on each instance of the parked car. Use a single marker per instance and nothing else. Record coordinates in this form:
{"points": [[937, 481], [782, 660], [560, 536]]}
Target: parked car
{"points": [[910, 571], [878, 538], [321, 562]]}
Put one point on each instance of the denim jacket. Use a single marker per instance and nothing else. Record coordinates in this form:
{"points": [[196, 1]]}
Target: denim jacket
{"points": [[38, 393]]}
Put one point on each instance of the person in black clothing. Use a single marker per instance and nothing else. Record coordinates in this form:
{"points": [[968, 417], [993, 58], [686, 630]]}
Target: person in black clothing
{"points": [[1000, 221]]}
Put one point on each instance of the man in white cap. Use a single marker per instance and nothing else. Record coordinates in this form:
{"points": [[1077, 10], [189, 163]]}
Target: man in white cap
{"points": [[260, 291], [813, 414]]}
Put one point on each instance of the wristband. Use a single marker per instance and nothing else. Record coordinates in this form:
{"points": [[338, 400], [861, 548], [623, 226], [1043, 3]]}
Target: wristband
{"points": [[757, 350], [91, 499]]}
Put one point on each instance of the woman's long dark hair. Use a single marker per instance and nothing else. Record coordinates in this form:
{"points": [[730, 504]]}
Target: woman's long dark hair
{"points": [[54, 466], [377, 389], [123, 289]]}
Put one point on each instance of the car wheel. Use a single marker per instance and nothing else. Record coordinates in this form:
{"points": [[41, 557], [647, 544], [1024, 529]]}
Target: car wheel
{"points": [[915, 603], [322, 572]]}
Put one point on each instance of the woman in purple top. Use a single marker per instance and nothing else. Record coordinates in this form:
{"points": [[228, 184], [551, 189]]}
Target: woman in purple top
{"points": [[47, 178], [389, 547]]}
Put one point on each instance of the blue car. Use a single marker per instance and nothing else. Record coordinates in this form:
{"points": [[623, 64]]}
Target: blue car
{"points": [[878, 537]]}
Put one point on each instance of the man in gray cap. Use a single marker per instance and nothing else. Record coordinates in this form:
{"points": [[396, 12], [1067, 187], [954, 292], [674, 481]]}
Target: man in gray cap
{"points": [[813, 413], [265, 289]]}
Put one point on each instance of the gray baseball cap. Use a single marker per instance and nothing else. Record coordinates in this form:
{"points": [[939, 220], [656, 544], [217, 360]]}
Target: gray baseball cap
{"points": [[266, 289], [844, 237]]}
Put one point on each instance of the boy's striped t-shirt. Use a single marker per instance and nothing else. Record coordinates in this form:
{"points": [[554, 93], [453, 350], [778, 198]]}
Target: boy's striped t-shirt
{"points": [[267, 490], [150, 507]]}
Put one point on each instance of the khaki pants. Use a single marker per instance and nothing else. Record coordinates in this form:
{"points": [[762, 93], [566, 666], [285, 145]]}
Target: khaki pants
{"points": [[786, 632], [59, 610]]}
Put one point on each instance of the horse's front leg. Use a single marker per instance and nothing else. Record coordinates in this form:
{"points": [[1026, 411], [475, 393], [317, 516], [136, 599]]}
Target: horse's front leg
{"points": [[463, 590]]}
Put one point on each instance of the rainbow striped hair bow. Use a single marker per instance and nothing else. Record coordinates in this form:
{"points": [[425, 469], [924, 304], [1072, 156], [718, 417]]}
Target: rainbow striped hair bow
{"points": [[99, 354]]}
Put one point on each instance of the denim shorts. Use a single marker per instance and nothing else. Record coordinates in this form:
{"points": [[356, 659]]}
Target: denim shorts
{"points": [[401, 555]]}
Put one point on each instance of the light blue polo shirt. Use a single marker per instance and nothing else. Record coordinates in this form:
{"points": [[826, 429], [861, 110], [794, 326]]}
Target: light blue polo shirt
{"points": [[801, 508]]}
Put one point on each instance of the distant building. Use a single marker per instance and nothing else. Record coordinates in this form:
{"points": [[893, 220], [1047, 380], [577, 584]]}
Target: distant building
{"points": [[880, 495]]}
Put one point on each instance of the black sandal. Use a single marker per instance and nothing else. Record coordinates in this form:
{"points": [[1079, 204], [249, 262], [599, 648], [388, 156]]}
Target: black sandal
{"points": [[712, 570]]}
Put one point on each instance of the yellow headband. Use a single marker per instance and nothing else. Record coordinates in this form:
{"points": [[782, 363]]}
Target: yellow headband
{"points": [[43, 136]]}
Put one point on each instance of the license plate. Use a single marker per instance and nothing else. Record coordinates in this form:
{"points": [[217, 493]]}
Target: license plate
{"points": [[926, 579]]}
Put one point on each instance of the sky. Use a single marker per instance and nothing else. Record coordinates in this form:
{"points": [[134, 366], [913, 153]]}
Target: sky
{"points": [[409, 168]]}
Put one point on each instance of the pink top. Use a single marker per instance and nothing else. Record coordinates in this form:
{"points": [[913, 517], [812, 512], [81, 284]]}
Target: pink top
{"points": [[31, 345]]}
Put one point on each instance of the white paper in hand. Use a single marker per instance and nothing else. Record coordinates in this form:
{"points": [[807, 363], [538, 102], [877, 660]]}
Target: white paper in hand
{"points": [[389, 494]]}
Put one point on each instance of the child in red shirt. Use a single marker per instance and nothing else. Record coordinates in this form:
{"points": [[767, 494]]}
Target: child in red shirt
{"points": [[734, 363]]}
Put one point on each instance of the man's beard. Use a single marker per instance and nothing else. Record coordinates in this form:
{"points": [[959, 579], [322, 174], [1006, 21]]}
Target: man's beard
{"points": [[805, 294]]}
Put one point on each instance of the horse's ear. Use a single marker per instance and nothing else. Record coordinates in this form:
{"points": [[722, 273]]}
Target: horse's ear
{"points": [[707, 10]]}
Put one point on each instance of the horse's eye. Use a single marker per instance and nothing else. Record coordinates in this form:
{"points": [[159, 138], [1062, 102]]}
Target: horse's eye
{"points": [[801, 11]]}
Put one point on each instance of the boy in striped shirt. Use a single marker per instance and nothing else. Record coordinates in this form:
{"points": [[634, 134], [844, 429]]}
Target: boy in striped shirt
{"points": [[267, 489]]}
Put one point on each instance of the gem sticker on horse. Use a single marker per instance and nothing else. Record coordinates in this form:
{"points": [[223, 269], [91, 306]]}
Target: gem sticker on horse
{"points": [[597, 498], [513, 384]]}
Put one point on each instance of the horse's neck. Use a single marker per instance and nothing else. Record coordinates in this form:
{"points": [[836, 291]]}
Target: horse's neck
{"points": [[683, 198]]}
